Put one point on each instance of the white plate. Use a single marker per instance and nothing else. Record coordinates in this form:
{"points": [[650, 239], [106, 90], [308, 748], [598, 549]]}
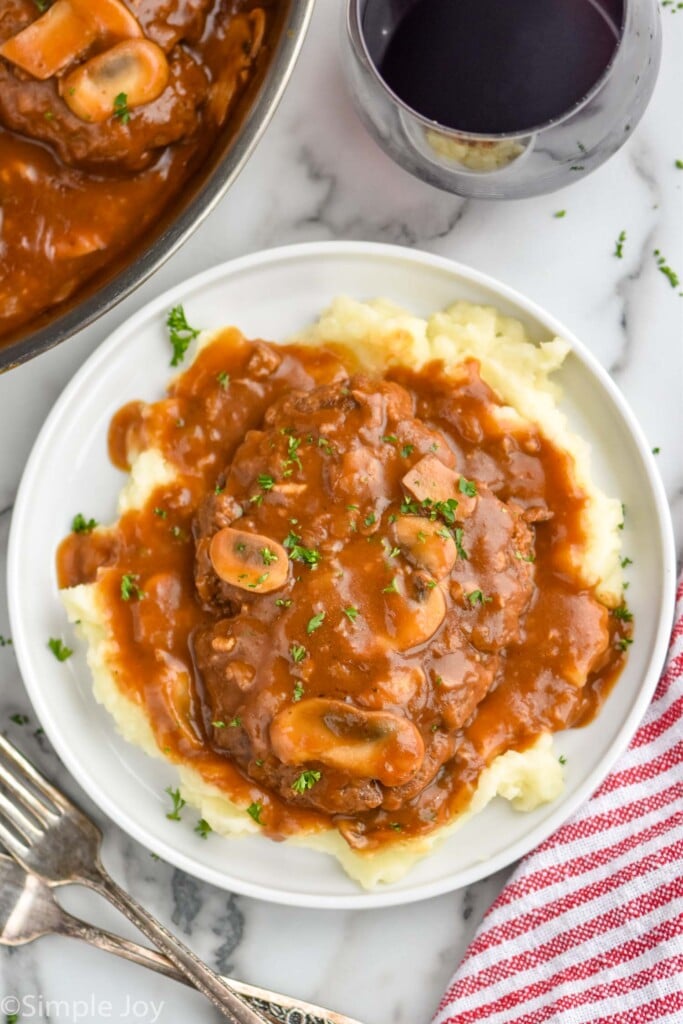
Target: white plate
{"points": [[272, 294]]}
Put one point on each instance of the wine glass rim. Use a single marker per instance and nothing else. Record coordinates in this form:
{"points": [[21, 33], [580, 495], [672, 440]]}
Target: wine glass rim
{"points": [[354, 8]]}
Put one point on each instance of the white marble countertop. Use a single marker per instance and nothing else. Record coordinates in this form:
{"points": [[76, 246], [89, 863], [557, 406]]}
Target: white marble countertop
{"points": [[317, 175]]}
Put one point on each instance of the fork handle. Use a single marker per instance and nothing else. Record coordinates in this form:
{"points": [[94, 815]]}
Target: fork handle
{"points": [[210, 984], [276, 1005]]}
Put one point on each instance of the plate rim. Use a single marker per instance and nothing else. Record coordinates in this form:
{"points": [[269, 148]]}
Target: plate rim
{"points": [[460, 273]]}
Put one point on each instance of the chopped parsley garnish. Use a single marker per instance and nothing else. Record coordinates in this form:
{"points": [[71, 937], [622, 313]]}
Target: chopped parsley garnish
{"points": [[160, 512], [624, 643], [268, 556], [315, 623], [299, 553], [121, 111], [59, 649], [390, 439], [218, 724], [625, 562], [293, 444], [19, 719], [265, 481], [326, 446], [306, 780], [129, 587], [619, 245], [351, 613], [622, 613], [394, 553], [477, 597], [223, 379], [352, 508], [396, 826], [370, 519], [283, 602], [254, 811], [392, 588], [235, 722], [446, 509], [42, 5], [459, 534], [218, 489], [261, 579], [180, 334], [407, 450], [467, 487], [202, 828], [298, 691], [664, 268], [178, 804], [177, 531], [80, 524], [298, 653], [444, 532]]}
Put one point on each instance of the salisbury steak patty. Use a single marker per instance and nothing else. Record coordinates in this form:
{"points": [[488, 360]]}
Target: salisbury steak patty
{"points": [[363, 590]]}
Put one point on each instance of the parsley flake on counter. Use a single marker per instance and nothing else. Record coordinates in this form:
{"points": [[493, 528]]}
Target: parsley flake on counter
{"points": [[79, 524], [559, 214], [5, 641], [562, 759], [306, 780], [679, 164], [351, 613], [467, 487], [664, 268], [298, 653], [59, 649], [619, 246], [392, 588], [315, 623], [298, 691], [121, 111], [223, 379], [180, 333], [178, 804], [656, 451], [129, 587], [254, 811], [202, 828], [478, 597], [19, 719]]}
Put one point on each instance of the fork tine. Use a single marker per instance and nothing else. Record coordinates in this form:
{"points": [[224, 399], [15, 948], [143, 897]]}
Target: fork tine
{"points": [[13, 845], [19, 762], [27, 798], [18, 820]]}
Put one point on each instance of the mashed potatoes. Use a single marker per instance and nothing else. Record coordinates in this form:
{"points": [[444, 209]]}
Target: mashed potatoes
{"points": [[380, 334]]}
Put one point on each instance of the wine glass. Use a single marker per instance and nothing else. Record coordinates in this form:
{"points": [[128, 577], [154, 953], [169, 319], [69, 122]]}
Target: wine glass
{"points": [[507, 164]]}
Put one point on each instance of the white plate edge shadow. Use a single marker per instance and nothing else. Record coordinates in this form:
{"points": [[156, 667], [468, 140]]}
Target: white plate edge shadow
{"points": [[258, 262]]}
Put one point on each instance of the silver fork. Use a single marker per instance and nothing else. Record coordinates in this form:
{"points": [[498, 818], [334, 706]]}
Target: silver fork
{"points": [[51, 837], [29, 910]]}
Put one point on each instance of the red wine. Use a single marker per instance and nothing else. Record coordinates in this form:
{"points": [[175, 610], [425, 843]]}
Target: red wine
{"points": [[494, 66]]}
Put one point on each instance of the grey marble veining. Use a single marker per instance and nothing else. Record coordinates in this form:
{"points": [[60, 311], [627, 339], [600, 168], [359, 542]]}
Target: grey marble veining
{"points": [[318, 175]]}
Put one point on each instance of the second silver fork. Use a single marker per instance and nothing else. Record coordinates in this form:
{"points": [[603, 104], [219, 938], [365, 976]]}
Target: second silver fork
{"points": [[50, 836]]}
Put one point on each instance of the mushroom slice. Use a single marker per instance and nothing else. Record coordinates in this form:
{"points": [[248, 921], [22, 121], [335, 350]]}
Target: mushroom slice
{"points": [[49, 44], [365, 744], [251, 561], [413, 619], [429, 480], [427, 545], [109, 17], [135, 69]]}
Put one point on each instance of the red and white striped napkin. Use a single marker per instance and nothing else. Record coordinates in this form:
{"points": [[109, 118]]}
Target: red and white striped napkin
{"points": [[589, 929]]}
